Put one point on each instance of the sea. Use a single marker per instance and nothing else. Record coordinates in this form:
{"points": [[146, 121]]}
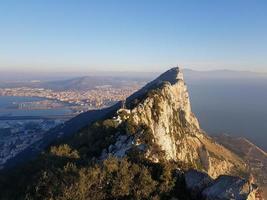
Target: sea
{"points": [[237, 108], [7, 107]]}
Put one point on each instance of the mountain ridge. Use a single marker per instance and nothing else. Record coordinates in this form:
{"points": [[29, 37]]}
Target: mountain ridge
{"points": [[173, 99], [152, 129]]}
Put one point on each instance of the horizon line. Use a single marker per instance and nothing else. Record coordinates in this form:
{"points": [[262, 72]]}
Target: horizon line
{"points": [[28, 71]]}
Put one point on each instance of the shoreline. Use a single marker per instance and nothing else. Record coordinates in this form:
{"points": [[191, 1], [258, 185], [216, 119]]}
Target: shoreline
{"points": [[8, 110]]}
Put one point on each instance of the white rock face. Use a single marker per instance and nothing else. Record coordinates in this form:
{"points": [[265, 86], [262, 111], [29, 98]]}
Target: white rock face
{"points": [[166, 111], [163, 112]]}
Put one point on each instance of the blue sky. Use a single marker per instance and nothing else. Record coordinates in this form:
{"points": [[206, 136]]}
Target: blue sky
{"points": [[137, 35]]}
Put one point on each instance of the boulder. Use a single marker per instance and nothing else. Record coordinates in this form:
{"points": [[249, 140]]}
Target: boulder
{"points": [[196, 182], [230, 188]]}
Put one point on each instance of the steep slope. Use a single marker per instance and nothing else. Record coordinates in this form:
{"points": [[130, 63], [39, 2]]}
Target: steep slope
{"points": [[255, 157], [163, 109]]}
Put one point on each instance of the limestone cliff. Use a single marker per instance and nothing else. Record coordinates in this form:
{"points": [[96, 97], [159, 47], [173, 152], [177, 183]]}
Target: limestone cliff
{"points": [[161, 111]]}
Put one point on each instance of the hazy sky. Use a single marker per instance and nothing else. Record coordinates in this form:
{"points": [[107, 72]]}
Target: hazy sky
{"points": [[139, 35]]}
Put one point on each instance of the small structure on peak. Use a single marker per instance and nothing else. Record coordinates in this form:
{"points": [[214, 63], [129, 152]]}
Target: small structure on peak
{"points": [[123, 104], [180, 75]]}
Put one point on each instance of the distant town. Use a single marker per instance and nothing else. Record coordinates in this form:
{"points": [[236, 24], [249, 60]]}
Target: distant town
{"points": [[99, 97], [17, 135]]}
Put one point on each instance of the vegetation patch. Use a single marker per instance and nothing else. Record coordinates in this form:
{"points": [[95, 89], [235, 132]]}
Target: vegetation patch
{"points": [[112, 178]]}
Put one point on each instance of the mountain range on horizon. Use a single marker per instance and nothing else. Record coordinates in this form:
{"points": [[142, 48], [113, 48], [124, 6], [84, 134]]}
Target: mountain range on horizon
{"points": [[154, 131], [13, 76]]}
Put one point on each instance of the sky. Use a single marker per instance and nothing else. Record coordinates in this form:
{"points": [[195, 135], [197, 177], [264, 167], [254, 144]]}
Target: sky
{"points": [[137, 35]]}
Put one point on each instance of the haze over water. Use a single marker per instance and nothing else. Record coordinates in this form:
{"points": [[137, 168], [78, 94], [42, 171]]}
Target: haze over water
{"points": [[235, 107]]}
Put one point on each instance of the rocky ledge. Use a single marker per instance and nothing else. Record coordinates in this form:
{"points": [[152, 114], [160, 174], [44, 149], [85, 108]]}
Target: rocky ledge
{"points": [[202, 186]]}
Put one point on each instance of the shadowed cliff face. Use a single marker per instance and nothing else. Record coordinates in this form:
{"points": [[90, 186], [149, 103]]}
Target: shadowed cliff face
{"points": [[163, 109]]}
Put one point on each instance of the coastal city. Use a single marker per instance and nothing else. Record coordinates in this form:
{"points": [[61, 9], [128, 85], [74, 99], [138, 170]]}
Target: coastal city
{"points": [[96, 98], [18, 134]]}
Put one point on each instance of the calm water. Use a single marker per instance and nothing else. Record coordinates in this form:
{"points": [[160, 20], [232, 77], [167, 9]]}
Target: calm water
{"points": [[235, 107], [7, 101]]}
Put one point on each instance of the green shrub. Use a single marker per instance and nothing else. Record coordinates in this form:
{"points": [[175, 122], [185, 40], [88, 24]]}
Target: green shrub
{"points": [[64, 151]]}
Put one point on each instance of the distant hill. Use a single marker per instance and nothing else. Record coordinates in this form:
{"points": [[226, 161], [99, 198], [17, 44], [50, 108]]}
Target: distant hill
{"points": [[78, 83], [91, 82]]}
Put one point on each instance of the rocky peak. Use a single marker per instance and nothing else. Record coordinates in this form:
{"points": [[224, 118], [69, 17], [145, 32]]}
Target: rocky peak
{"points": [[169, 86], [173, 75], [161, 111]]}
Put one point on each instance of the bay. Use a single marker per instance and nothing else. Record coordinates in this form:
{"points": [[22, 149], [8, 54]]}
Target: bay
{"points": [[7, 107]]}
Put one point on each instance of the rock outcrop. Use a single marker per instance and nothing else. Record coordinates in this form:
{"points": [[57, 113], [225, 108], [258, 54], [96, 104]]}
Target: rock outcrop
{"points": [[201, 186], [156, 124], [255, 158], [196, 182], [161, 111]]}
